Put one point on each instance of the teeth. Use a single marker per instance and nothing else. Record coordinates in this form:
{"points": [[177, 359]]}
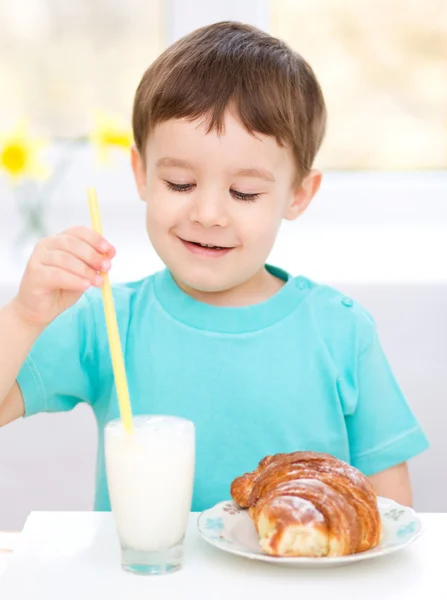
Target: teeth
{"points": [[209, 246]]}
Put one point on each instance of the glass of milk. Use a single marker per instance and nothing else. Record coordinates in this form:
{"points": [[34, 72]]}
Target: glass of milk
{"points": [[150, 474]]}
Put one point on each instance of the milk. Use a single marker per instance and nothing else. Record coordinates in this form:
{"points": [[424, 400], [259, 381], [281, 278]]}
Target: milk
{"points": [[150, 475]]}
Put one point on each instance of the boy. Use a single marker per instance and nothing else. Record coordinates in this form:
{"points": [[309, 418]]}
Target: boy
{"points": [[227, 123]]}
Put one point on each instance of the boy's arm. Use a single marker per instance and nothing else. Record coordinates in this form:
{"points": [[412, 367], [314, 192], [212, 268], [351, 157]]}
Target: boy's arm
{"points": [[384, 433], [16, 340], [59, 271], [394, 483], [13, 406]]}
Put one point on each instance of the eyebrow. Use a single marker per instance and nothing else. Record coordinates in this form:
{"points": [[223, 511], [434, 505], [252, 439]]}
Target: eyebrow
{"points": [[167, 161], [257, 173]]}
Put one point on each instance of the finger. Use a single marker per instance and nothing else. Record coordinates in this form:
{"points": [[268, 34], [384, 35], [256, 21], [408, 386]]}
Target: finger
{"points": [[58, 279], [92, 237], [80, 249], [69, 262]]}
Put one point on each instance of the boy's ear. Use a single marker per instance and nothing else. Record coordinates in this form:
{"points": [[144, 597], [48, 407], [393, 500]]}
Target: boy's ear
{"points": [[139, 172], [303, 194]]}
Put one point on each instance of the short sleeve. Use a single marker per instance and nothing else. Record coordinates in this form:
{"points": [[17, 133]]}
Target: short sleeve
{"points": [[59, 371], [382, 429]]}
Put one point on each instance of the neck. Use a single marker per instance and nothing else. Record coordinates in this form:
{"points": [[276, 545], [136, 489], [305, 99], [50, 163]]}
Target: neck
{"points": [[259, 288]]}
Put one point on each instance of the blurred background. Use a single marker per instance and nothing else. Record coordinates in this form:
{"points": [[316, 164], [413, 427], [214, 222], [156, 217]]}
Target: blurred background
{"points": [[377, 230]]}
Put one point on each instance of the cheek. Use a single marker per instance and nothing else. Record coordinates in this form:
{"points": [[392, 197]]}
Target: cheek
{"points": [[260, 223], [161, 208]]}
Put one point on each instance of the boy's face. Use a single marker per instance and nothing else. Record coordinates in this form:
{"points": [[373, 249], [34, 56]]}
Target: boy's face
{"points": [[228, 192]]}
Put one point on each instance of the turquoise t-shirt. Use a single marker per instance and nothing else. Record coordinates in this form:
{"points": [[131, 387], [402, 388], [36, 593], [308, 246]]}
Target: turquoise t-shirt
{"points": [[304, 370]]}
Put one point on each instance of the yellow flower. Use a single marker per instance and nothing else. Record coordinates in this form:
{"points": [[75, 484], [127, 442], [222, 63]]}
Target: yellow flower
{"points": [[20, 155], [110, 132]]}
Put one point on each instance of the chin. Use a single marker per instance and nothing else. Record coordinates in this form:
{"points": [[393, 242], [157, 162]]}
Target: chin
{"points": [[215, 277], [204, 283], [206, 280]]}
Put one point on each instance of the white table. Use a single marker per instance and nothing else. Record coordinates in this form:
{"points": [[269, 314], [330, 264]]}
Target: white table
{"points": [[75, 555], [8, 541]]}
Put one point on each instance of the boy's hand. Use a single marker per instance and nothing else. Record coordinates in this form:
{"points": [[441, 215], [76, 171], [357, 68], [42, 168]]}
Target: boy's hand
{"points": [[59, 271]]}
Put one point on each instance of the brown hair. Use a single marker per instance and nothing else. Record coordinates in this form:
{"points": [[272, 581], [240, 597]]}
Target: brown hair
{"points": [[272, 88]]}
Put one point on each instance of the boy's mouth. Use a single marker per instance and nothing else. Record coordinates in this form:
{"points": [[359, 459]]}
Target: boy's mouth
{"points": [[210, 250]]}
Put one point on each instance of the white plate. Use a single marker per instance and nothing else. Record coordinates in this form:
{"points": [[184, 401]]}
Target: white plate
{"points": [[231, 529]]}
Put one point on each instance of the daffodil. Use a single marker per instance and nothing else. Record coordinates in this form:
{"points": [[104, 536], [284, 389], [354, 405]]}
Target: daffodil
{"points": [[109, 132], [21, 155]]}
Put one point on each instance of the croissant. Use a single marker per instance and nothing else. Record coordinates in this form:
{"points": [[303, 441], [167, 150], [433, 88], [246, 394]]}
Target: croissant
{"points": [[309, 504]]}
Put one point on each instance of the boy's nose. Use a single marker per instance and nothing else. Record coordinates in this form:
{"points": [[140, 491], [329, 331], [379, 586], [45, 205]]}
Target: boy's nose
{"points": [[209, 211]]}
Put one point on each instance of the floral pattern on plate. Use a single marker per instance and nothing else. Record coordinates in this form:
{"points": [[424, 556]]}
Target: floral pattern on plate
{"points": [[230, 528]]}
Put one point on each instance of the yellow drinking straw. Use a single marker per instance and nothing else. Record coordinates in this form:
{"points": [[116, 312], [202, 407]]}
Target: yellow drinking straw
{"points": [[112, 327]]}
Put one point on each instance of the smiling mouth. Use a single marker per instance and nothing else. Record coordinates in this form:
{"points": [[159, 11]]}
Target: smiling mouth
{"points": [[209, 246], [206, 250]]}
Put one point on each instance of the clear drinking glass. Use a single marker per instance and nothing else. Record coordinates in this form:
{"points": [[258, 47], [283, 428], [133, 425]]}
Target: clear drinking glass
{"points": [[150, 474]]}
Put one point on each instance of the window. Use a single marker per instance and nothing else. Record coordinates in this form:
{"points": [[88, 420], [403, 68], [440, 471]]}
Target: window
{"points": [[383, 69], [60, 61]]}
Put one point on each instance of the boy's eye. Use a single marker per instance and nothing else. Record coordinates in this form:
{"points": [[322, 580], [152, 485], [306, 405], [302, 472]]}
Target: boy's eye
{"points": [[244, 197], [179, 187], [186, 187]]}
